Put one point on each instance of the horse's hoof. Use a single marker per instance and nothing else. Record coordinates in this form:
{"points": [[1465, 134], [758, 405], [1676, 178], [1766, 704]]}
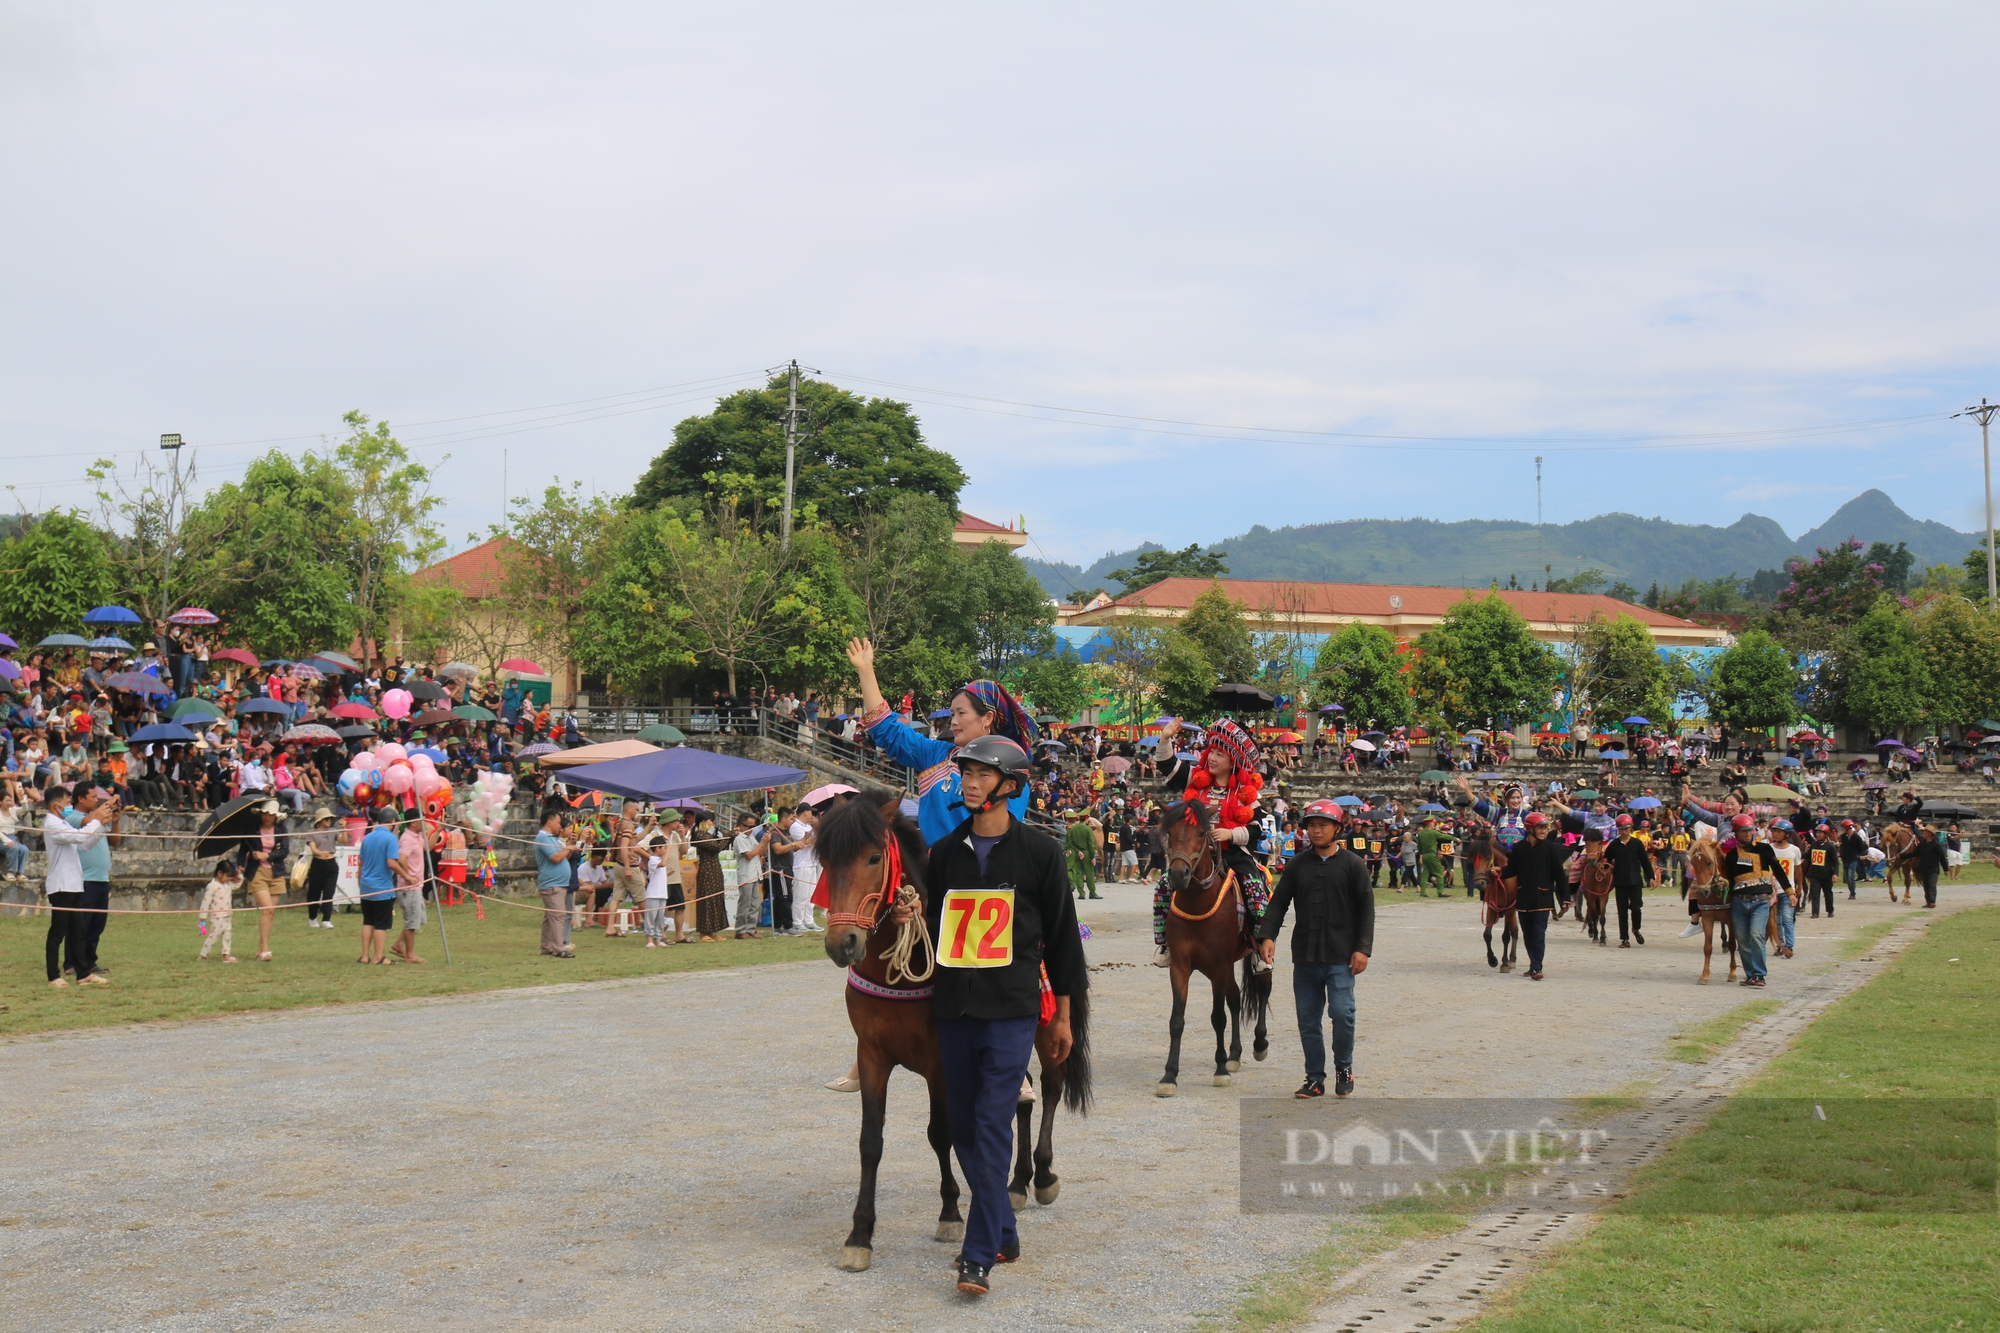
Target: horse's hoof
{"points": [[1045, 1197], [1262, 1052], [855, 1258], [1222, 1080], [950, 1233], [1020, 1201], [1235, 1065], [1506, 967], [1165, 1090], [1494, 962], [1701, 981]]}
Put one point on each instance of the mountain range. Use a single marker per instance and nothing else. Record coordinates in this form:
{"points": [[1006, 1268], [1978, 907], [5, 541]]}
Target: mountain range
{"points": [[1475, 552]]}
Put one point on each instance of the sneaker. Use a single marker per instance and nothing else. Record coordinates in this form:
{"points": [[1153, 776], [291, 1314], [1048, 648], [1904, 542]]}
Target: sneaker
{"points": [[1160, 959], [1312, 1087], [1343, 1080], [1638, 937], [973, 1279], [1693, 929]]}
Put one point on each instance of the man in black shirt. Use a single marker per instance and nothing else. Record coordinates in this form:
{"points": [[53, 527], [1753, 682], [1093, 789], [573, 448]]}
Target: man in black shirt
{"points": [[1631, 872], [1821, 855], [1331, 943], [1538, 865], [1853, 853]]}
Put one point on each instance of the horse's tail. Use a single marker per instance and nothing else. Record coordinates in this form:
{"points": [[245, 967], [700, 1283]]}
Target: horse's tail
{"points": [[1256, 989], [1076, 1069]]}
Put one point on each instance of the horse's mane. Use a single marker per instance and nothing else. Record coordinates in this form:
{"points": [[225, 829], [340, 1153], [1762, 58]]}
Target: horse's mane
{"points": [[1180, 810], [857, 826]]}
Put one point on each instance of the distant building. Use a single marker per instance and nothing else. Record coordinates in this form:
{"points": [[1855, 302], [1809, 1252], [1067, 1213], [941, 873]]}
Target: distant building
{"points": [[971, 533], [482, 631]]}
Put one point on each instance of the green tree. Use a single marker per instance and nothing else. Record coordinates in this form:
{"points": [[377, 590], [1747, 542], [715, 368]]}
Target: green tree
{"points": [[390, 531], [273, 554], [53, 573], [1059, 683], [554, 551], [1002, 610], [1183, 676], [902, 567], [1150, 567], [1827, 594], [1131, 660], [733, 585], [1754, 683], [1886, 677], [1974, 566], [819, 612], [855, 452], [1360, 669], [634, 637], [1482, 662], [1961, 646], [1217, 625], [1622, 672]]}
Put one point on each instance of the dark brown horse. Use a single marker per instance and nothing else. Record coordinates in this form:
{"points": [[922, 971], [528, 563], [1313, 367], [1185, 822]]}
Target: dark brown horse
{"points": [[1710, 893], [1496, 899], [1594, 890], [1205, 935], [872, 853]]}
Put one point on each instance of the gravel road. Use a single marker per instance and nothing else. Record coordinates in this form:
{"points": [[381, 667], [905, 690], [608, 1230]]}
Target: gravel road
{"points": [[658, 1154]]}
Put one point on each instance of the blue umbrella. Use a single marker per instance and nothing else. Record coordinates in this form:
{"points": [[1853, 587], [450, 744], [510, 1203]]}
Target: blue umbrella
{"points": [[111, 615], [1789, 762], [78, 641], [1348, 800], [279, 661], [161, 731], [940, 714], [431, 752], [109, 642], [263, 706], [138, 682], [1637, 722], [1150, 740], [1430, 805], [1643, 803], [1612, 754]]}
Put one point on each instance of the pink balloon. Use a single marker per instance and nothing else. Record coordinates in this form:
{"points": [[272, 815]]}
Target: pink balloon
{"points": [[396, 704], [398, 779], [420, 762], [391, 753], [427, 780], [364, 760]]}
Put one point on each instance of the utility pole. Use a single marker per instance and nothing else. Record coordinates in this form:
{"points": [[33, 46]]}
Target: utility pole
{"points": [[1984, 415], [792, 417], [1541, 536], [171, 444]]}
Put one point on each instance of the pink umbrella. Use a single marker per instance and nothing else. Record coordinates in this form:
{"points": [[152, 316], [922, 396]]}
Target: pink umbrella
{"points": [[1116, 764], [827, 793], [193, 615]]}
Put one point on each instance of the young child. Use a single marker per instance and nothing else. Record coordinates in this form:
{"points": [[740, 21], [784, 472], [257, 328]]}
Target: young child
{"points": [[663, 897], [216, 903]]}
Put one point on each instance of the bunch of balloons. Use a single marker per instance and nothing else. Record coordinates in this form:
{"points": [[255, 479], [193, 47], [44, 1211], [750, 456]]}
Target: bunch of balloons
{"points": [[488, 810], [389, 775]]}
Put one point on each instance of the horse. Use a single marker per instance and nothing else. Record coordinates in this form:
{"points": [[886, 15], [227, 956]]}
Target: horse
{"points": [[1595, 888], [1496, 900], [1204, 934], [1709, 892], [874, 856], [1899, 844]]}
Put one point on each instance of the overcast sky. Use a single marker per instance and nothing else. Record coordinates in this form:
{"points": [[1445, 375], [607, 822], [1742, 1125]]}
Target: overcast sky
{"points": [[1572, 229]]}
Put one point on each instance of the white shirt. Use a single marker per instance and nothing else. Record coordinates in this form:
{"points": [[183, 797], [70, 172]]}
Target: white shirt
{"points": [[250, 776], [1792, 857], [656, 878], [63, 844], [805, 866], [748, 867], [592, 874]]}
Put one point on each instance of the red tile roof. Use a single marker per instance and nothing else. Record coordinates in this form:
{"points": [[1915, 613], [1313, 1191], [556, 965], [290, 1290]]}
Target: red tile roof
{"points": [[1372, 599], [967, 523], [475, 572]]}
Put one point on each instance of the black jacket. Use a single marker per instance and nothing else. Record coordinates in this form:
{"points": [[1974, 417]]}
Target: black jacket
{"points": [[1044, 924], [1336, 907], [1931, 855], [1537, 868], [281, 852], [1631, 864]]}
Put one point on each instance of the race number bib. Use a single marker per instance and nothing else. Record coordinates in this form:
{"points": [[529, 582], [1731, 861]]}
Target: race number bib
{"points": [[1444, 849], [1819, 856], [1359, 844], [978, 928], [1375, 847]]}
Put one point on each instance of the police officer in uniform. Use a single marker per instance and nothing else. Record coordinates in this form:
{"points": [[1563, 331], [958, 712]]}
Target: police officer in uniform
{"points": [[1000, 912]]}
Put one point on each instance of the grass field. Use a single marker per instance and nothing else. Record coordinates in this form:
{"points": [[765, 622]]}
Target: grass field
{"points": [[155, 974], [1880, 1218]]}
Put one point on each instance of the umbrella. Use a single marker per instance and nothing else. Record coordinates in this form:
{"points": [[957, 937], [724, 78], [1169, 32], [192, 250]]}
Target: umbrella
{"points": [[432, 717], [1373, 735], [1765, 791], [252, 706], [111, 615], [459, 671], [537, 750], [1288, 738], [108, 643], [1187, 756], [1807, 736], [826, 793], [1045, 720], [1116, 764], [1150, 740], [662, 733], [1637, 722], [427, 690], [350, 709], [1332, 708], [236, 655], [1891, 740], [1585, 794], [1373, 814], [1643, 803], [523, 665], [1431, 805], [1247, 698], [338, 659], [941, 713], [1360, 744], [193, 708], [430, 752], [311, 733], [1786, 761], [279, 661], [161, 731], [324, 665], [1950, 809], [1490, 777], [193, 615], [11, 670], [666, 774], [603, 752], [223, 832], [1435, 775], [138, 682], [1613, 755], [64, 641], [354, 733], [1874, 786], [1348, 800], [474, 713], [7, 641], [1056, 747]]}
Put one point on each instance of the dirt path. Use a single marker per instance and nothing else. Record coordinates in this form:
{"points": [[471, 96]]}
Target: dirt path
{"points": [[659, 1155]]}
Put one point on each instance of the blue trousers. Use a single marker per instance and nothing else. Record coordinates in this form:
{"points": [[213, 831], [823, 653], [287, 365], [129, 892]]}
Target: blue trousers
{"points": [[1783, 903], [1535, 937], [1328, 986], [1749, 916], [984, 1061]]}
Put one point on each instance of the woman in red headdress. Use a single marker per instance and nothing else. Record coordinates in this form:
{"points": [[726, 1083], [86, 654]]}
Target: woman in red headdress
{"points": [[1224, 777]]}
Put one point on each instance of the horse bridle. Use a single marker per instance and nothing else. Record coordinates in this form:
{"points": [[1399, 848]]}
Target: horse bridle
{"points": [[875, 907]]}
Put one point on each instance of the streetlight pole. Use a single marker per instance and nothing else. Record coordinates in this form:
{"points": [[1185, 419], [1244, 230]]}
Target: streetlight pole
{"points": [[1984, 414]]}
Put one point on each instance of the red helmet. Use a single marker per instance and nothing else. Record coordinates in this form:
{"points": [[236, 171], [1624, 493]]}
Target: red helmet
{"points": [[1535, 819], [1743, 821], [1624, 821], [1324, 810], [1847, 823]]}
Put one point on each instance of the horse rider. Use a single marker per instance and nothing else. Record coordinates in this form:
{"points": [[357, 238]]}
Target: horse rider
{"points": [[1508, 817], [1717, 816], [1754, 871], [1226, 770], [1631, 872], [1002, 915], [1538, 865], [1331, 942]]}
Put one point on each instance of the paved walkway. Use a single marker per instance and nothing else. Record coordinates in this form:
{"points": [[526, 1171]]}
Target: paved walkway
{"points": [[658, 1154]]}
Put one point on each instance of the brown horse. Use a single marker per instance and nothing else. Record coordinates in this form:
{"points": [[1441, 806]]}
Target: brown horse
{"points": [[1710, 893], [1496, 900], [1595, 889], [1899, 844], [1204, 934], [873, 854]]}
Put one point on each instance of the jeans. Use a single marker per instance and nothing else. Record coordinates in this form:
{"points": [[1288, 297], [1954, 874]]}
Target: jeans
{"points": [[1535, 937], [984, 1061], [1852, 871], [1786, 913], [1328, 986], [1750, 916], [17, 858]]}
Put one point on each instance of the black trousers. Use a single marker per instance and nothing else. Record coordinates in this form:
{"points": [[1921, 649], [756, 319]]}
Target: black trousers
{"points": [[1817, 889], [1630, 901], [778, 885], [96, 899], [321, 877], [67, 927], [1929, 879]]}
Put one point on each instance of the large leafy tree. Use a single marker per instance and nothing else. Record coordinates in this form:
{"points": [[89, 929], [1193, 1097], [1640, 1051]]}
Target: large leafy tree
{"points": [[1482, 662], [901, 565], [1218, 626], [854, 453], [1184, 676], [1000, 608], [1058, 683], [274, 554], [554, 553], [632, 610], [1360, 669], [1887, 679], [734, 586], [1754, 683], [390, 528], [51, 574], [1621, 672], [1826, 595], [1149, 567], [1961, 647]]}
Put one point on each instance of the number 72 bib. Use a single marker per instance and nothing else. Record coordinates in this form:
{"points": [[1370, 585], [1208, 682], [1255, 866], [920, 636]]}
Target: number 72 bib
{"points": [[978, 928]]}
